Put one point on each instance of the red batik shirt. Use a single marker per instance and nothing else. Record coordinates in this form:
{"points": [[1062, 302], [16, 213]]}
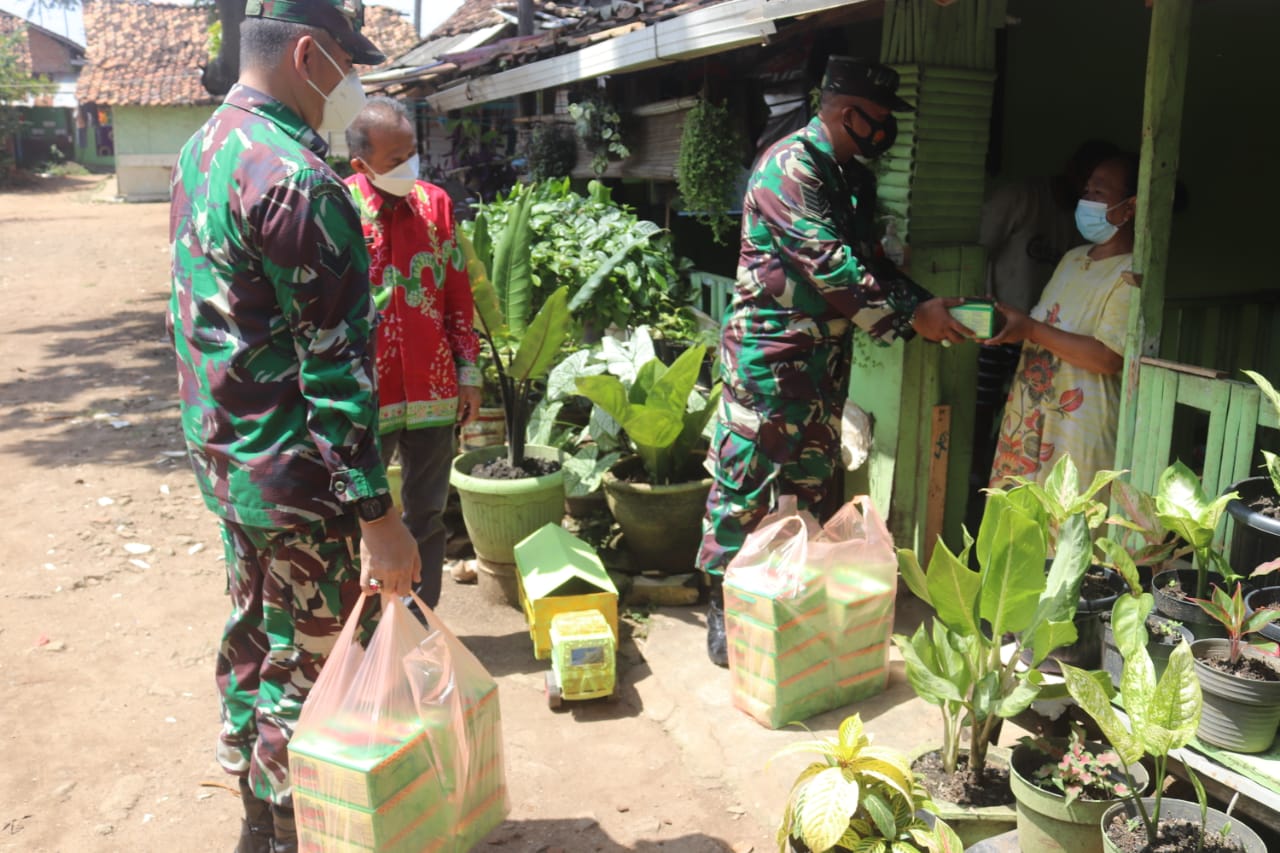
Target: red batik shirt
{"points": [[427, 345]]}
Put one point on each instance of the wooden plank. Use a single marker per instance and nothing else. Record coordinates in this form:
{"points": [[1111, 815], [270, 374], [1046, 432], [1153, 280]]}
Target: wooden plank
{"points": [[1138, 460], [1215, 441], [1180, 367], [936, 494], [1168, 49], [1161, 446], [1200, 392]]}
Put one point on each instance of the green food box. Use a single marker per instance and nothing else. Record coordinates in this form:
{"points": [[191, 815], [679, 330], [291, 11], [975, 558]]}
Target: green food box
{"points": [[341, 764], [978, 317], [430, 833], [422, 806]]}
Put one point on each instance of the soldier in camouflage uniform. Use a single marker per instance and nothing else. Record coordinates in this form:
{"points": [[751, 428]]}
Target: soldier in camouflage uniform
{"points": [[806, 272], [271, 318]]}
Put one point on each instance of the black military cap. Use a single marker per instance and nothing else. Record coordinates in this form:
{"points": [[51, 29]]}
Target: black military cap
{"points": [[864, 78], [342, 19]]}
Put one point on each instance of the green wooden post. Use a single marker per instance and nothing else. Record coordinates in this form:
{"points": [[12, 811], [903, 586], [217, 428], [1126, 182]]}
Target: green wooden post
{"points": [[1167, 52]]}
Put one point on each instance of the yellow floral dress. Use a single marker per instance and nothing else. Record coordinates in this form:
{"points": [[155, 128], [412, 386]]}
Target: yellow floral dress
{"points": [[1055, 407]]}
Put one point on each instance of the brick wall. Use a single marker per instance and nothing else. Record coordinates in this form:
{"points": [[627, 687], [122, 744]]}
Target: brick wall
{"points": [[48, 56]]}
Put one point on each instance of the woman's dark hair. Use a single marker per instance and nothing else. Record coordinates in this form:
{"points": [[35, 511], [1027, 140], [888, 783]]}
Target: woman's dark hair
{"points": [[1129, 162]]}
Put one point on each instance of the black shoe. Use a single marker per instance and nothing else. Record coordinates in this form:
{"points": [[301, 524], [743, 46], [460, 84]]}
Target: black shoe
{"points": [[286, 834], [257, 829], [717, 645]]}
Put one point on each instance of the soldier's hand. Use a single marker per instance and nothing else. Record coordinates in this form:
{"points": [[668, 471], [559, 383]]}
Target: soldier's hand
{"points": [[388, 555], [934, 322]]}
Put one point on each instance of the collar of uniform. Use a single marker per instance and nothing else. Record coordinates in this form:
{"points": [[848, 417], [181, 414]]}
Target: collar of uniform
{"points": [[816, 132], [373, 203], [267, 107]]}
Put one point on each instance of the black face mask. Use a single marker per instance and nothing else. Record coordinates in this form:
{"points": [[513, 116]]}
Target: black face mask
{"points": [[887, 129]]}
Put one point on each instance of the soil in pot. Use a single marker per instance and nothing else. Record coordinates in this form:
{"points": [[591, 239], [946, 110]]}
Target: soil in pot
{"points": [[1173, 836], [501, 469], [1252, 668], [1173, 592], [959, 787]]}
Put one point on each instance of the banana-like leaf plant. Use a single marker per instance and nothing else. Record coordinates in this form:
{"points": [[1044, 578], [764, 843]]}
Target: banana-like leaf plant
{"points": [[523, 349], [655, 413], [959, 664]]}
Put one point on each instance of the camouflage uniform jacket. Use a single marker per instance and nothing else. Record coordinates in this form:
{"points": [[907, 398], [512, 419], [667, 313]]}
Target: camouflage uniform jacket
{"points": [[272, 320], [802, 277]]}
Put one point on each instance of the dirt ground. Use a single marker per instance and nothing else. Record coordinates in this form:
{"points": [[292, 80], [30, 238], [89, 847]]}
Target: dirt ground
{"points": [[113, 592]]}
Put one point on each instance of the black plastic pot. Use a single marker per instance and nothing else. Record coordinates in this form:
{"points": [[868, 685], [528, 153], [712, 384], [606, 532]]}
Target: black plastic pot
{"points": [[1255, 538], [1259, 599], [1113, 662], [1179, 610]]}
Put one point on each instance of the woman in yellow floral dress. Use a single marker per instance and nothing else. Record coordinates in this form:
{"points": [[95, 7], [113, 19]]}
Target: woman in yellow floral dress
{"points": [[1065, 397]]}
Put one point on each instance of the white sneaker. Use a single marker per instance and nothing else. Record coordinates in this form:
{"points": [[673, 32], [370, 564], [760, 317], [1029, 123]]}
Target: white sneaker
{"points": [[463, 571]]}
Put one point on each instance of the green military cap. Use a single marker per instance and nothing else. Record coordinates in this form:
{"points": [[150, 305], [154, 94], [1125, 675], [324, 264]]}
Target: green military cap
{"points": [[342, 19]]}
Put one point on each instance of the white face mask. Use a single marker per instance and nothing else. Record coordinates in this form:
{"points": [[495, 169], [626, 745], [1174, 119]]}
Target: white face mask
{"points": [[399, 181], [343, 103]]}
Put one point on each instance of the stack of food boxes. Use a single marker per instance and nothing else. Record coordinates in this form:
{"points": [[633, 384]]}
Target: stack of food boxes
{"points": [[808, 647], [433, 786]]}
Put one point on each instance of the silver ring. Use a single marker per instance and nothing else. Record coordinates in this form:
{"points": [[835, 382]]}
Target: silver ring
{"points": [[375, 583]]}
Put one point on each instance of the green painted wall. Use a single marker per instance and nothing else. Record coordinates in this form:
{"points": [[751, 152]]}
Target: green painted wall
{"points": [[1075, 69], [155, 130]]}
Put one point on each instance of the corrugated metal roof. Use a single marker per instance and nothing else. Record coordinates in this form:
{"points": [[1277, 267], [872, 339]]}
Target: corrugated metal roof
{"points": [[427, 52]]}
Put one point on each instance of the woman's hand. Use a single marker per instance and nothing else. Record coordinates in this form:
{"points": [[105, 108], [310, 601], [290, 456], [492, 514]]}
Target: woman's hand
{"points": [[1017, 326]]}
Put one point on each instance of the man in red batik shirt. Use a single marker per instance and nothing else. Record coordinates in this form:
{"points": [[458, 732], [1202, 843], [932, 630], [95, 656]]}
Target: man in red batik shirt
{"points": [[428, 382]]}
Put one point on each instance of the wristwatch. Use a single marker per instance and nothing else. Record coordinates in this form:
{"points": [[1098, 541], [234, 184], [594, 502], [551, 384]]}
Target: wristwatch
{"points": [[374, 508]]}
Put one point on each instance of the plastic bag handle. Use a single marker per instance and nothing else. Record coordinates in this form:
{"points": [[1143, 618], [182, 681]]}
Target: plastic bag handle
{"points": [[462, 749]]}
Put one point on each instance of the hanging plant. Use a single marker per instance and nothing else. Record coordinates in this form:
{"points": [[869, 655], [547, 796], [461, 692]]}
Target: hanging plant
{"points": [[552, 151], [708, 168], [600, 128]]}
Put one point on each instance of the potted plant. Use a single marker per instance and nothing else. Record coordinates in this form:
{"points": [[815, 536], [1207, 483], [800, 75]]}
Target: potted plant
{"points": [[1060, 499], [1063, 785], [1162, 715], [709, 165], [962, 663], [857, 796], [1164, 634], [600, 128], [658, 495], [1241, 684], [1183, 507], [1255, 539], [507, 492]]}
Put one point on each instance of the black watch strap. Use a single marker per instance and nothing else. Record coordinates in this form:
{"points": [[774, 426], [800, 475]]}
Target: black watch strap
{"points": [[374, 508]]}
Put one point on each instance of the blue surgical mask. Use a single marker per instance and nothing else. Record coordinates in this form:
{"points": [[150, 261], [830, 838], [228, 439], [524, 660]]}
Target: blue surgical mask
{"points": [[1091, 221]]}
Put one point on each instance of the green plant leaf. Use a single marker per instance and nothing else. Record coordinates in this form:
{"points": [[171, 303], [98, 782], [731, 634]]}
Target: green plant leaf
{"points": [[1129, 622], [1119, 559], [947, 840], [954, 591], [1093, 700], [607, 392], [927, 679], [488, 313], [1023, 694], [511, 270], [1177, 701], [829, 801], [1012, 577], [910, 571], [1268, 390], [1057, 604], [1183, 507], [541, 341], [881, 814], [641, 233]]}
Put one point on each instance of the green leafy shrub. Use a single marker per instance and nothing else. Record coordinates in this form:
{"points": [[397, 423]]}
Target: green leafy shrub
{"points": [[600, 128], [708, 168], [615, 265]]}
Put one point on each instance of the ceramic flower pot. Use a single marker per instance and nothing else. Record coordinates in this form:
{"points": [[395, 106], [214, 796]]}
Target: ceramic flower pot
{"points": [[1171, 809], [1240, 714], [1046, 822], [499, 513], [661, 525]]}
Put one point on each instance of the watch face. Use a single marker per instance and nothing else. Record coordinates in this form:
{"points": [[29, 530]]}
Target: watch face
{"points": [[371, 509]]}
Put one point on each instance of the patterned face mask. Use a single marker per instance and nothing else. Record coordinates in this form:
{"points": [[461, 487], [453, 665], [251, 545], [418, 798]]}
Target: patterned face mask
{"points": [[343, 103], [869, 146]]}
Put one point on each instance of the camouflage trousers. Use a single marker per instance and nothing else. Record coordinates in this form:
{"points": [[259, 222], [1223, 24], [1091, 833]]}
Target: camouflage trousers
{"points": [[290, 592], [762, 448]]}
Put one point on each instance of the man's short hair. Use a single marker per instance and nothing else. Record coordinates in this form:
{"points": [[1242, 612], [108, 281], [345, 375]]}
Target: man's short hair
{"points": [[379, 111], [264, 41]]}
